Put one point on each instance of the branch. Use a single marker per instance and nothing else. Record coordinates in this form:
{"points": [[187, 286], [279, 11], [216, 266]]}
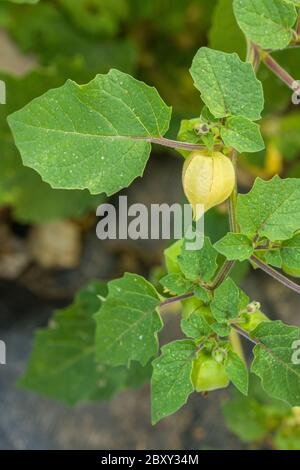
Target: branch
{"points": [[233, 199], [244, 334], [280, 72], [178, 298], [253, 55], [275, 274], [222, 274], [175, 144]]}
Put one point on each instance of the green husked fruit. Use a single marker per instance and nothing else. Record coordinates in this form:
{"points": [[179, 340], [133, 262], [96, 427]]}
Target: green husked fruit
{"points": [[207, 374], [252, 320]]}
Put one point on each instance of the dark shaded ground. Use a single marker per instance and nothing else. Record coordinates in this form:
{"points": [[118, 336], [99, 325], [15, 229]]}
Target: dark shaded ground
{"points": [[33, 422]]}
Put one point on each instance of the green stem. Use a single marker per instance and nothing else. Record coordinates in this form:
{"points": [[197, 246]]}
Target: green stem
{"points": [[253, 55], [232, 201]]}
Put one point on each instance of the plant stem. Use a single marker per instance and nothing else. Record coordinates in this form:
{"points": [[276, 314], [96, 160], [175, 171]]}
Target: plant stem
{"points": [[178, 298], [280, 72], [298, 26], [253, 55], [233, 199], [222, 274], [236, 344], [275, 274], [244, 334], [175, 144]]}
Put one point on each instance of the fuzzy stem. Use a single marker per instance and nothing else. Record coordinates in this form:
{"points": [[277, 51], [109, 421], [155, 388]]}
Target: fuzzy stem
{"points": [[275, 274], [236, 344], [222, 274], [233, 199], [280, 72], [175, 144], [178, 298], [244, 334]]}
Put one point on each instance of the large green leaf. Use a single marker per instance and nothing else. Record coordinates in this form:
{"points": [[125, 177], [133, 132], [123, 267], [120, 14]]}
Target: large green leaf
{"points": [[21, 188], [62, 364], [91, 136], [171, 382], [228, 86], [273, 360], [268, 23], [271, 209], [127, 322]]}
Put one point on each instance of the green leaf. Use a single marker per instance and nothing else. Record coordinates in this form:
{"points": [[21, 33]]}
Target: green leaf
{"points": [[202, 294], [294, 2], [237, 372], [271, 209], [171, 382], [127, 322], [225, 304], [176, 284], [290, 253], [171, 256], [187, 133], [235, 246], [21, 188], [196, 326], [273, 360], [267, 23], [221, 329], [62, 364], [199, 264], [273, 257], [91, 136], [242, 134], [246, 418], [228, 86]]}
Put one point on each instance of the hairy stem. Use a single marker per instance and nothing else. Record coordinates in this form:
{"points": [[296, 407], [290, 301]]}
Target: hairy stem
{"points": [[253, 55], [275, 274], [233, 199], [222, 274], [244, 334], [178, 298], [280, 72], [175, 144], [236, 344]]}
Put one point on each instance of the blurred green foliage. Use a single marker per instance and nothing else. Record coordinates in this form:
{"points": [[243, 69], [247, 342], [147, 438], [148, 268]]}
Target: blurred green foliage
{"points": [[153, 40]]}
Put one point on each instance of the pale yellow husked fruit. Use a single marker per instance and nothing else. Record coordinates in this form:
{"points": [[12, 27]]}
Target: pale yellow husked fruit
{"points": [[207, 179]]}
